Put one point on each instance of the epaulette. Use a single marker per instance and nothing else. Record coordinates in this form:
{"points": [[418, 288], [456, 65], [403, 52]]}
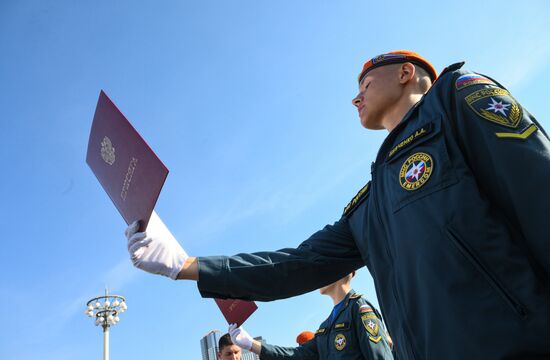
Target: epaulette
{"points": [[362, 194], [452, 67], [355, 296]]}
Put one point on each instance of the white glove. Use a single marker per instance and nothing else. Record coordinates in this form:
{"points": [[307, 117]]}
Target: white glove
{"points": [[156, 250], [240, 337]]}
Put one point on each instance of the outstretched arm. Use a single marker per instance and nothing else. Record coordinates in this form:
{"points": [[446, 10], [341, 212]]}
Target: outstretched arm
{"points": [[306, 351], [190, 270], [325, 257]]}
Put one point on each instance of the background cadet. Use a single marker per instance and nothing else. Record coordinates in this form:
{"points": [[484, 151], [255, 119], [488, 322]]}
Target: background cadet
{"points": [[353, 330], [227, 349], [453, 225]]}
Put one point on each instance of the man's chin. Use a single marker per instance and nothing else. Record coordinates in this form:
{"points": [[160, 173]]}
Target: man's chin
{"points": [[371, 125]]}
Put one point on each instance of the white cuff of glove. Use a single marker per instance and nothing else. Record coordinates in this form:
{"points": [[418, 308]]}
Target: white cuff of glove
{"points": [[240, 337], [156, 250]]}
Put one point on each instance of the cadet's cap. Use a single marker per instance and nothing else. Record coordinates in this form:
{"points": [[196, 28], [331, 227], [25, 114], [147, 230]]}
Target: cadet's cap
{"points": [[304, 337], [398, 57]]}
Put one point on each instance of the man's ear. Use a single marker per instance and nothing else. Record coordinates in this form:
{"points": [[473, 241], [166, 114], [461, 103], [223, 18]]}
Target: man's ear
{"points": [[406, 73]]}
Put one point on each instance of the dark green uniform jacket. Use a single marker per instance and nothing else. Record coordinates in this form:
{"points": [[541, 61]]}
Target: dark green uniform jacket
{"points": [[356, 333], [454, 228]]}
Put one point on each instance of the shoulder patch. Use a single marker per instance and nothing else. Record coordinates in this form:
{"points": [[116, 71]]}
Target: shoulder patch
{"points": [[495, 105], [356, 199], [466, 80], [365, 309], [522, 135], [373, 328]]}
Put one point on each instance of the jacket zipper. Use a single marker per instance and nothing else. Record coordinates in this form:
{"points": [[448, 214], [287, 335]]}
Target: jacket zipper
{"points": [[405, 323], [381, 151], [487, 274], [331, 323]]}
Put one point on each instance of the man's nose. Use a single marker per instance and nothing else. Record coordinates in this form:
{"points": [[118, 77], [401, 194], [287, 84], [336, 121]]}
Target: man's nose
{"points": [[357, 100]]}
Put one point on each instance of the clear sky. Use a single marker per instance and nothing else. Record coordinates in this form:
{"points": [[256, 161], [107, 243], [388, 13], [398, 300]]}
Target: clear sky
{"points": [[248, 103]]}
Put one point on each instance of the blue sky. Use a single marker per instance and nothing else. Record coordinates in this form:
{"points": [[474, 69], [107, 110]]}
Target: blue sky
{"points": [[247, 103]]}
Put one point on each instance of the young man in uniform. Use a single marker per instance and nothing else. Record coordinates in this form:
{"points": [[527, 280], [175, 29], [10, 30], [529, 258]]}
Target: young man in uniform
{"points": [[227, 349], [354, 330], [453, 226]]}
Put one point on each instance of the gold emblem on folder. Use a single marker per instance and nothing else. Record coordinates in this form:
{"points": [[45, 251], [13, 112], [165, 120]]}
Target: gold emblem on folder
{"points": [[107, 151]]}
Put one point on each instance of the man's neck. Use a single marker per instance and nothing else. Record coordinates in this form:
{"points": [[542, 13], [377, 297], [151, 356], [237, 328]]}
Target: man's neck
{"points": [[339, 293], [394, 117]]}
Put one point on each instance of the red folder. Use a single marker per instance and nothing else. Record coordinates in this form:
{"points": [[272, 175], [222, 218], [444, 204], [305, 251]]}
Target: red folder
{"points": [[132, 175], [127, 168], [236, 311]]}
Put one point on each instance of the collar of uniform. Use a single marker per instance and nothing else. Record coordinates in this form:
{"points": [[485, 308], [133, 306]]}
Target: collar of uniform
{"points": [[348, 296], [389, 140], [449, 68], [328, 322], [393, 134]]}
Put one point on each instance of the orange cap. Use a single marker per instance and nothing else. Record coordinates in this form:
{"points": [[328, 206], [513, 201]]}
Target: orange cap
{"points": [[304, 337], [398, 57]]}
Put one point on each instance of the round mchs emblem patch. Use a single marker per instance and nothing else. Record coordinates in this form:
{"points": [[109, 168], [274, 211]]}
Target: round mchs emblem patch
{"points": [[340, 341], [416, 171]]}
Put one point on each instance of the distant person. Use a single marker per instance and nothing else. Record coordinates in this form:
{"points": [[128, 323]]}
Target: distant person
{"points": [[353, 330], [227, 349]]}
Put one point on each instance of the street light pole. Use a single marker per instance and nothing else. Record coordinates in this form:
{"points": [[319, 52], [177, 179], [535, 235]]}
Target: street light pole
{"points": [[105, 310], [105, 342]]}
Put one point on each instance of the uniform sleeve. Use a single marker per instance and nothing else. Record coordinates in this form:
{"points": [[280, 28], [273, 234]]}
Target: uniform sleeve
{"points": [[325, 257], [305, 351], [371, 333], [509, 153]]}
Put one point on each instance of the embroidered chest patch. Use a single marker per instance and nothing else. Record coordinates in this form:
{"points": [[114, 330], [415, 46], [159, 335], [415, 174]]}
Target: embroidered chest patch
{"points": [[340, 342], [415, 171], [496, 105]]}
